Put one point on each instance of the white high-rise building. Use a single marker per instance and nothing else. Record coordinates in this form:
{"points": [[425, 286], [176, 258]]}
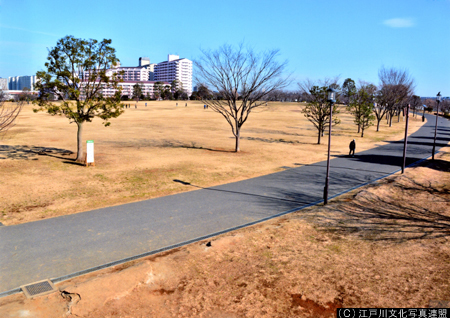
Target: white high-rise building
{"points": [[175, 69], [145, 62]]}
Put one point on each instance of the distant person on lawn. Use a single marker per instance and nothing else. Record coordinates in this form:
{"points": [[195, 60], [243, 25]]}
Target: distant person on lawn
{"points": [[352, 148]]}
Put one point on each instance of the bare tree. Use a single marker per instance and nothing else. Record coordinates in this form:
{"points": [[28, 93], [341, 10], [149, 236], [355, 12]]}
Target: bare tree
{"points": [[396, 86], [431, 104], [416, 103], [445, 106], [318, 109], [381, 106], [243, 78], [8, 112]]}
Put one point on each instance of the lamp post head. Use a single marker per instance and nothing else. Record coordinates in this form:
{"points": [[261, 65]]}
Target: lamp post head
{"points": [[438, 97], [331, 95]]}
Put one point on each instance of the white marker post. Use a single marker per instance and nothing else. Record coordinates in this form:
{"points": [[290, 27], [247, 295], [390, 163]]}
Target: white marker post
{"points": [[90, 152]]}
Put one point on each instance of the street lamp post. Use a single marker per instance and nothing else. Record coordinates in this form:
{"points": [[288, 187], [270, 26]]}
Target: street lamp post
{"points": [[406, 139], [331, 100], [438, 100]]}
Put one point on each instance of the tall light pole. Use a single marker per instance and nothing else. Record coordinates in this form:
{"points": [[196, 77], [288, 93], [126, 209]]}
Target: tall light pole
{"points": [[331, 99], [406, 139], [438, 100]]}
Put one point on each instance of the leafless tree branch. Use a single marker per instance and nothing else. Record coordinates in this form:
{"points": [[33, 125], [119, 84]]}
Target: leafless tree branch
{"points": [[242, 78], [8, 112]]}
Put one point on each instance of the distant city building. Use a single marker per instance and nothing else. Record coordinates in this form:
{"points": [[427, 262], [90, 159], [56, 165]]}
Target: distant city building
{"points": [[175, 69], [18, 83]]}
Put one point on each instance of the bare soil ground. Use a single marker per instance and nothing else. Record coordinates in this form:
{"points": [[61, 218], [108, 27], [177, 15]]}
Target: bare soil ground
{"points": [[384, 245], [146, 148]]}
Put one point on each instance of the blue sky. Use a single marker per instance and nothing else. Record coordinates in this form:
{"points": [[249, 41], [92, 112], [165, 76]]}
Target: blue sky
{"points": [[347, 38]]}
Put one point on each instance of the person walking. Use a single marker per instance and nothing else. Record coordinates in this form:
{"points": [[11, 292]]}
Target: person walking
{"points": [[352, 148]]}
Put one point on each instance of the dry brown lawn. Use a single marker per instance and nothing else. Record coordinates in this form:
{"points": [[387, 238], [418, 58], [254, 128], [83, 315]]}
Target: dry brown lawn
{"points": [[143, 150], [382, 246]]}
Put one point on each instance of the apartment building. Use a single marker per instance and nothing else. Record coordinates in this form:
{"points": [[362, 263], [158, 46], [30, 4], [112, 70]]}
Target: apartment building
{"points": [[147, 74], [139, 73], [175, 69], [127, 88], [145, 62]]}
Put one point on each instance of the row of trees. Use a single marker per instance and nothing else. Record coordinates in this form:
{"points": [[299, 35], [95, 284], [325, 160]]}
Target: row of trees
{"points": [[365, 101], [281, 95], [223, 71]]}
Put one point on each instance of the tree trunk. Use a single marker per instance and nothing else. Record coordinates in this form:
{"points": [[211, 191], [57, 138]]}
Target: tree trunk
{"points": [[238, 134], [318, 140], [362, 132], [359, 128], [80, 153], [390, 120], [378, 125]]}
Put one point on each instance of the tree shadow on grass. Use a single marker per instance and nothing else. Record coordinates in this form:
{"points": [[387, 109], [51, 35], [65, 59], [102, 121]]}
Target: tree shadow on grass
{"points": [[165, 143], [381, 216], [438, 164], [24, 152], [272, 140], [75, 163], [194, 146]]}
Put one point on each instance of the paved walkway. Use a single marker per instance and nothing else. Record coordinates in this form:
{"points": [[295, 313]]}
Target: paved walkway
{"points": [[61, 246]]}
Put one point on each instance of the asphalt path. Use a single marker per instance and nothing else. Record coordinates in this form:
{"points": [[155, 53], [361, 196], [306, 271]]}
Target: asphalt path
{"points": [[66, 246]]}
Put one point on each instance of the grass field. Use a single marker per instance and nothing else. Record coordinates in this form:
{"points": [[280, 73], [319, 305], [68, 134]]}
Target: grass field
{"points": [[147, 147]]}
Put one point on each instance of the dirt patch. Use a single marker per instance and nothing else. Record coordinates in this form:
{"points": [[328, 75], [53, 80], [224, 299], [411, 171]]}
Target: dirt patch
{"points": [[313, 308], [385, 245]]}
